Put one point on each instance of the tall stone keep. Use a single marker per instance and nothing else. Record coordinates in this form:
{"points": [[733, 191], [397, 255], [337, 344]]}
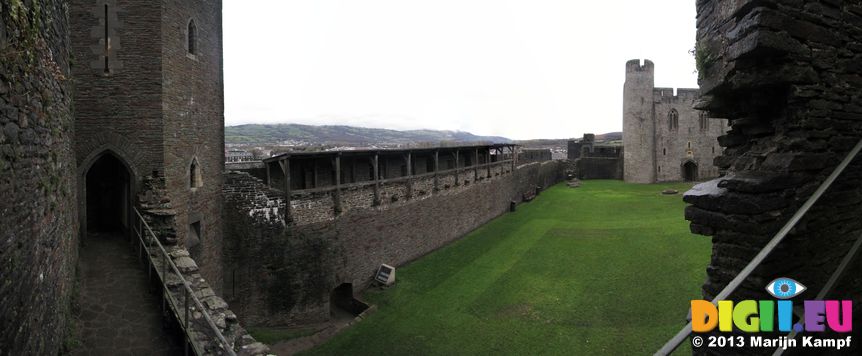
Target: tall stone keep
{"points": [[149, 102], [639, 122], [664, 138]]}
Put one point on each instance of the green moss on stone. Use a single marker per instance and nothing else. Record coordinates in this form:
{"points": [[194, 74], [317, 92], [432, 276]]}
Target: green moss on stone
{"points": [[703, 58]]}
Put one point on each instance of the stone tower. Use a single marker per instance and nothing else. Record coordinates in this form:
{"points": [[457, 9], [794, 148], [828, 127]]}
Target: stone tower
{"points": [[149, 102], [639, 123]]}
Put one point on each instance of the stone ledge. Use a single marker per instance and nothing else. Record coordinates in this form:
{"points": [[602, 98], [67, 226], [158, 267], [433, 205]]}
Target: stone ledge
{"points": [[200, 332]]}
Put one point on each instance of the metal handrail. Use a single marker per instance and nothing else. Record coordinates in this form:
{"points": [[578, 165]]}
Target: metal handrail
{"points": [[187, 288], [845, 262], [675, 341]]}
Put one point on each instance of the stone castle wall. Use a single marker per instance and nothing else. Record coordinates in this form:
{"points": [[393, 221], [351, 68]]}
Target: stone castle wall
{"points": [[600, 168], [595, 161], [654, 148], [317, 205], [153, 105], [527, 155], [118, 106], [787, 75], [283, 277], [118, 98], [693, 140], [193, 103], [38, 239], [138, 95]]}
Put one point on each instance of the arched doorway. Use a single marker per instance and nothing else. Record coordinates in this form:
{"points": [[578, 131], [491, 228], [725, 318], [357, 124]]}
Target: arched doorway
{"points": [[343, 305], [108, 195], [689, 171], [113, 282]]}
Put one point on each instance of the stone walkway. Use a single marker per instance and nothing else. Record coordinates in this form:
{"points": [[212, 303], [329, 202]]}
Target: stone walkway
{"points": [[119, 312]]}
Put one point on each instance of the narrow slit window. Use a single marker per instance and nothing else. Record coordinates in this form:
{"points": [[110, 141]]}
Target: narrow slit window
{"points": [[673, 119], [194, 242], [192, 37], [107, 38], [195, 179]]}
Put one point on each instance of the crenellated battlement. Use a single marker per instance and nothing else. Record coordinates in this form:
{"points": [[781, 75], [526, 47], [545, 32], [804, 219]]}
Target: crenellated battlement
{"points": [[661, 129], [675, 94], [639, 65]]}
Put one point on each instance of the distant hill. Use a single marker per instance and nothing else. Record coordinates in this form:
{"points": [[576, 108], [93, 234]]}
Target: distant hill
{"points": [[296, 134], [543, 142], [563, 142], [610, 136]]}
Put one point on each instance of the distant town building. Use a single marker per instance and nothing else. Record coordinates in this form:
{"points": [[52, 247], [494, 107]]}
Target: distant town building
{"points": [[237, 155]]}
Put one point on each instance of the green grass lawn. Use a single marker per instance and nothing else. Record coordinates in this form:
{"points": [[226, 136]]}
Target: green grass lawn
{"points": [[272, 335], [608, 268]]}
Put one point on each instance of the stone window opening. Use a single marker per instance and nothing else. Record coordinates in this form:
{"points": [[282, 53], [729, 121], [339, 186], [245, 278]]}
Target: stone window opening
{"points": [[704, 123], [673, 119], [194, 242], [107, 44], [195, 179], [689, 144], [191, 38], [664, 151]]}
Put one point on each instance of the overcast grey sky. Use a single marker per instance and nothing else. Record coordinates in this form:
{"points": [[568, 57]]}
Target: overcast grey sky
{"points": [[516, 68]]}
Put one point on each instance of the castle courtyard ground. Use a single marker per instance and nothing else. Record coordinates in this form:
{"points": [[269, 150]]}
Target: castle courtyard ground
{"points": [[607, 268]]}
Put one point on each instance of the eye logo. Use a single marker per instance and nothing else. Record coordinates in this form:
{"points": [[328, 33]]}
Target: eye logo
{"points": [[785, 288]]}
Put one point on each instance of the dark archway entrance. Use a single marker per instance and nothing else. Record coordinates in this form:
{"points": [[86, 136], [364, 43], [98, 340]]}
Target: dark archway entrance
{"points": [[117, 312], [108, 195], [689, 171], [343, 304]]}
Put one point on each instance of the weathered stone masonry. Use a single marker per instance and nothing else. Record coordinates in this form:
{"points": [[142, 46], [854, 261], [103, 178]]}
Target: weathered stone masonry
{"points": [[284, 276], [595, 161], [38, 239], [665, 139], [147, 79], [201, 334], [788, 76], [143, 97], [158, 213]]}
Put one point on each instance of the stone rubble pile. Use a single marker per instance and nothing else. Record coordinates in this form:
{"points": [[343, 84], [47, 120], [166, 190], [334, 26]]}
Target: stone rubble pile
{"points": [[156, 209]]}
